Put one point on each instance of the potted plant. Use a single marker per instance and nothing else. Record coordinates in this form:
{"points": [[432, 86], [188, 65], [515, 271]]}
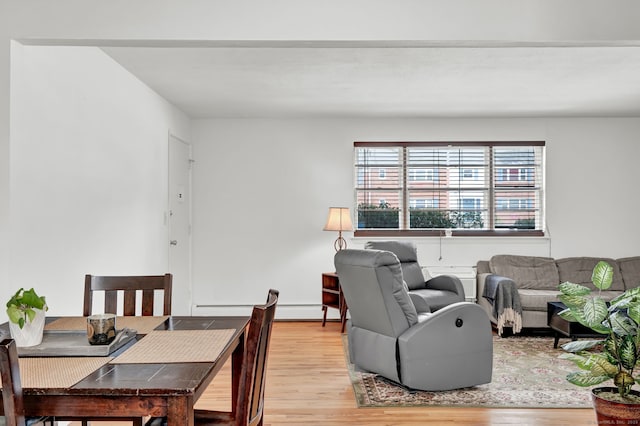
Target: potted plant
{"points": [[26, 312], [614, 357]]}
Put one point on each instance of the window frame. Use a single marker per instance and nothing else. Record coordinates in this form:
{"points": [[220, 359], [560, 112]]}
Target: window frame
{"points": [[493, 188]]}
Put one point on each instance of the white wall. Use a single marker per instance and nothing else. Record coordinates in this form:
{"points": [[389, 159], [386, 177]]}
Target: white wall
{"points": [[146, 22], [262, 189], [89, 146]]}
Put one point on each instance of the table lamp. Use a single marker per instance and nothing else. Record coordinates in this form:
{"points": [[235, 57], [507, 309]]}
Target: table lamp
{"points": [[339, 220]]}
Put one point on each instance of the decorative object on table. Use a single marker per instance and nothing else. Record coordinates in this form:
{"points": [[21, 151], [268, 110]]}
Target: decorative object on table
{"points": [[26, 312], [101, 329], [617, 353], [339, 219]]}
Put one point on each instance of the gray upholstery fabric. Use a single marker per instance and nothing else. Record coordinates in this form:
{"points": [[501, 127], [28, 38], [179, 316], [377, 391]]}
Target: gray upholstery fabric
{"points": [[438, 292], [527, 271], [367, 269], [534, 296], [630, 270], [579, 270], [448, 349], [536, 300], [408, 257]]}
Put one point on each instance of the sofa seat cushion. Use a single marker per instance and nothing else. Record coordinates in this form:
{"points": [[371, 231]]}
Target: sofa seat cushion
{"points": [[579, 270], [527, 271], [630, 270], [536, 300]]}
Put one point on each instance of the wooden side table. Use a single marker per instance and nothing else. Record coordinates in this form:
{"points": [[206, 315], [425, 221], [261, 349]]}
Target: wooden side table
{"points": [[332, 297]]}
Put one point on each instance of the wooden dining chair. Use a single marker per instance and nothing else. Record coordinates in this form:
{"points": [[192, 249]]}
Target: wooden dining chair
{"points": [[12, 388], [129, 285], [247, 410]]}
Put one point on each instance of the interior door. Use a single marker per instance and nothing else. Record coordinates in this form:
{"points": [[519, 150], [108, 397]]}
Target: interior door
{"points": [[179, 220]]}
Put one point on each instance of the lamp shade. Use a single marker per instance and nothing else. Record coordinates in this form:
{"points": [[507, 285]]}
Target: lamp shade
{"points": [[338, 219]]}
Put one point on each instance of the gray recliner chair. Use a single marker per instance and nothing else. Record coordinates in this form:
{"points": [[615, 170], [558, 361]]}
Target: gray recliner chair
{"points": [[438, 292], [448, 349]]}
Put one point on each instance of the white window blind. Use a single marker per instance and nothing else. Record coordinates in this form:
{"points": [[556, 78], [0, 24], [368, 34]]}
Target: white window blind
{"points": [[474, 188]]}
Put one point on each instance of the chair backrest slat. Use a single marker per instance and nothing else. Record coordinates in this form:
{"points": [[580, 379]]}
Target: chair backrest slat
{"points": [[11, 386], [249, 407], [129, 286]]}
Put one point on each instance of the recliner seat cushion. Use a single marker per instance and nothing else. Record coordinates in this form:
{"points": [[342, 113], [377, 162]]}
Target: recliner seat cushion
{"points": [[579, 270], [437, 299], [527, 271]]}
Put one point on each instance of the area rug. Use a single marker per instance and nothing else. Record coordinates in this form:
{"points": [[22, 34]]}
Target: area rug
{"points": [[526, 374]]}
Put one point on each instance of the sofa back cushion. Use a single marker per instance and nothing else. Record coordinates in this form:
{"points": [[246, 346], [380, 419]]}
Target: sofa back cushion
{"points": [[579, 270], [630, 270], [527, 271]]}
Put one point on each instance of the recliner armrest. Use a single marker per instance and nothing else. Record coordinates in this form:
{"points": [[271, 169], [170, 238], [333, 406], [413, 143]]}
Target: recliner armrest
{"points": [[446, 282], [420, 303]]}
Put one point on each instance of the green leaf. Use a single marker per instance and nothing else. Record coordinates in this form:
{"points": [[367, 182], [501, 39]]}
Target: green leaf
{"points": [[627, 351], [602, 276], [595, 311], [585, 379], [14, 314], [580, 345], [622, 325], [31, 298], [30, 313], [600, 365], [634, 312], [571, 289], [577, 359], [573, 301], [635, 291], [567, 315]]}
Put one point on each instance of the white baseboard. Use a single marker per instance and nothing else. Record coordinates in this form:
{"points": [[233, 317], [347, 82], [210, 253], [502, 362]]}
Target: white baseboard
{"points": [[283, 312]]}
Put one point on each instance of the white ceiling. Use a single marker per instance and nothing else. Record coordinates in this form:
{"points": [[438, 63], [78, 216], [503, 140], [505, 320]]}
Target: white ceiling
{"points": [[390, 81]]}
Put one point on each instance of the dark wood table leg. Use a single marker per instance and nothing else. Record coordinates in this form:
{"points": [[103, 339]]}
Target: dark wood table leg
{"points": [[180, 411], [237, 358], [556, 338], [324, 316]]}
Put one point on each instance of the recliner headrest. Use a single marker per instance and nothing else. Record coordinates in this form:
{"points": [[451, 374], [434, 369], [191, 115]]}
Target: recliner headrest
{"points": [[405, 251]]}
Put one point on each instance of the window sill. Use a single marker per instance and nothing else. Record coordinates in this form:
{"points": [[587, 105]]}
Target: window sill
{"points": [[441, 233]]}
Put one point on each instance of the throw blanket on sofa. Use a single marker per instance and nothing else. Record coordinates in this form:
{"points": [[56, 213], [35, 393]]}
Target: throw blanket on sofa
{"points": [[503, 295]]}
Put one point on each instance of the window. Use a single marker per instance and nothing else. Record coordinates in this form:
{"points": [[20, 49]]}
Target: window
{"points": [[475, 188]]}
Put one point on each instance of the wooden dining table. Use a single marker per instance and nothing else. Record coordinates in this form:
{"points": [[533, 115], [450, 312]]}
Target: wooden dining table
{"points": [[160, 373]]}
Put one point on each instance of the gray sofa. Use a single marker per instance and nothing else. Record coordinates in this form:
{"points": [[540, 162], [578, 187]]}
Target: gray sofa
{"points": [[536, 280]]}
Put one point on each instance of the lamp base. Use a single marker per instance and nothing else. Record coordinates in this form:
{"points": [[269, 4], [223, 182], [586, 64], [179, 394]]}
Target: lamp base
{"points": [[340, 243]]}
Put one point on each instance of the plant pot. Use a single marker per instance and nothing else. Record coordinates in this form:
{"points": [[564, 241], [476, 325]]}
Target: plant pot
{"points": [[612, 412], [31, 333]]}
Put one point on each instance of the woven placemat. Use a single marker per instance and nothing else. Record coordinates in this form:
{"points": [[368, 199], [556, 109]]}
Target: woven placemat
{"points": [[143, 325], [57, 372], [162, 346]]}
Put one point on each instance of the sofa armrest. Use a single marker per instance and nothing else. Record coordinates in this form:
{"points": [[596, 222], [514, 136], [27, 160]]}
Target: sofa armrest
{"points": [[446, 282]]}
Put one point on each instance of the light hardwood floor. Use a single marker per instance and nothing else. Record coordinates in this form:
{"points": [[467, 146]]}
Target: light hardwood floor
{"points": [[308, 384]]}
